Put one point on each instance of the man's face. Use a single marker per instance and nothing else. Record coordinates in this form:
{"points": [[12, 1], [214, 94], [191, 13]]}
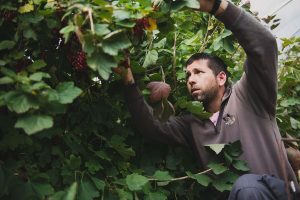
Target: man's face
{"points": [[202, 84]]}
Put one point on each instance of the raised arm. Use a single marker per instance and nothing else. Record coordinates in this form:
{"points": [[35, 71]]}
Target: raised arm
{"points": [[258, 86], [174, 131]]}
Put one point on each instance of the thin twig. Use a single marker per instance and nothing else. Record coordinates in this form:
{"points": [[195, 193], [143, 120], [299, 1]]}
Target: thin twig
{"points": [[206, 35], [174, 61], [179, 178], [163, 74], [206, 39], [91, 20]]}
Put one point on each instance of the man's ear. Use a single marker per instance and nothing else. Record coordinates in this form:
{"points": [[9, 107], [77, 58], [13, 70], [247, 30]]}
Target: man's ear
{"points": [[221, 78]]}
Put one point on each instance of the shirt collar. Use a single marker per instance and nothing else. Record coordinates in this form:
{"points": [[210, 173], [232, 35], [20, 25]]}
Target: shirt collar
{"points": [[227, 94]]}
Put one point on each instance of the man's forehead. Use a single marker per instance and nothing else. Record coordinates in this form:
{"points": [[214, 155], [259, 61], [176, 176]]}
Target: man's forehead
{"points": [[197, 64]]}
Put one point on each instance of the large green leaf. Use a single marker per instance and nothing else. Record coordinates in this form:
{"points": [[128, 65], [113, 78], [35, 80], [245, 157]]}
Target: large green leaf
{"points": [[217, 148], [194, 107], [193, 4], [156, 196], [36, 65], [67, 92], [150, 58], [6, 80], [240, 165], [101, 29], [217, 168], [202, 179], [34, 123], [121, 14], [115, 43], [162, 175], [7, 44], [136, 182], [124, 195], [71, 192], [222, 185], [20, 102], [102, 63], [87, 191], [38, 76], [42, 189]]}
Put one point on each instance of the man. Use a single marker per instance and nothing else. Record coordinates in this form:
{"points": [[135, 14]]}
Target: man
{"points": [[244, 112]]}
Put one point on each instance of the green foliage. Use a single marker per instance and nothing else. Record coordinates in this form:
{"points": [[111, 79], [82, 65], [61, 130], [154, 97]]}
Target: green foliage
{"points": [[288, 108], [65, 131]]}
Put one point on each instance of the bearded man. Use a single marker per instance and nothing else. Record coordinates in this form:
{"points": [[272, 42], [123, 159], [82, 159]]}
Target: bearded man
{"points": [[245, 112]]}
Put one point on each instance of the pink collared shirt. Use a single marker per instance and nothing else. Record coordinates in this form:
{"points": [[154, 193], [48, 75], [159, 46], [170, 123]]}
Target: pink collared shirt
{"points": [[214, 118]]}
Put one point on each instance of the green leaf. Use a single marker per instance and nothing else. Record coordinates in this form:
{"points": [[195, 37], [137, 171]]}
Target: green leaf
{"points": [[93, 166], [156, 196], [203, 179], [38, 76], [43, 189], [193, 4], [117, 142], [124, 195], [34, 123], [115, 43], [216, 147], [88, 45], [294, 123], [121, 15], [217, 168], [135, 181], [20, 102], [36, 65], [6, 80], [71, 192], [102, 63], [150, 58], [221, 185], [240, 165], [26, 8], [226, 33], [29, 33], [126, 23], [7, 44], [160, 44], [162, 175], [100, 185], [101, 29], [228, 45], [87, 191], [32, 18], [67, 92], [197, 109], [67, 30]]}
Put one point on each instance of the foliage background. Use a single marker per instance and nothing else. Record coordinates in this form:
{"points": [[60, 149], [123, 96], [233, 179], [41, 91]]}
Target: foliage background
{"points": [[65, 131]]}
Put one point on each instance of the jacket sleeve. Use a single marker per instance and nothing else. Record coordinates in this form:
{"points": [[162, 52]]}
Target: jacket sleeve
{"points": [[258, 85], [173, 131]]}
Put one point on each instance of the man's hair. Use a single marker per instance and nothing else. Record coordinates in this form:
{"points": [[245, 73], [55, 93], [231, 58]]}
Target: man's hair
{"points": [[215, 63]]}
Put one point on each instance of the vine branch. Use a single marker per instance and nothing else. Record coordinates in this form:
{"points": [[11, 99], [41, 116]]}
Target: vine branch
{"points": [[179, 178]]}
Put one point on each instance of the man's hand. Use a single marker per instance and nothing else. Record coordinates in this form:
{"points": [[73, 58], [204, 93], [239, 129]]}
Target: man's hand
{"points": [[207, 5], [124, 71]]}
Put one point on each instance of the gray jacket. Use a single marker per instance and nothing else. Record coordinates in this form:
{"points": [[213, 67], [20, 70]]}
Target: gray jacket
{"points": [[248, 108]]}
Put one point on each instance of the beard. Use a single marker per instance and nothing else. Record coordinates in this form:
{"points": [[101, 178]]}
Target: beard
{"points": [[207, 95]]}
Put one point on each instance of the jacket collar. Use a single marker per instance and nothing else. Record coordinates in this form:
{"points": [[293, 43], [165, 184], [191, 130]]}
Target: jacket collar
{"points": [[227, 94]]}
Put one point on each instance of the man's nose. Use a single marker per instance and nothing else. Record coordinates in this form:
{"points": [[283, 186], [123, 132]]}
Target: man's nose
{"points": [[191, 80]]}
